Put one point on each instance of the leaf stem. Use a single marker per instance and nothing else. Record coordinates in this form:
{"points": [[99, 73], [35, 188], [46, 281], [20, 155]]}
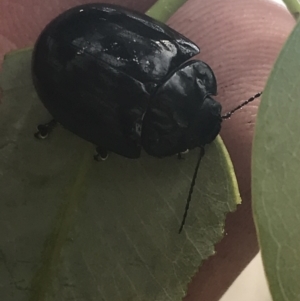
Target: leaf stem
{"points": [[162, 10], [294, 7]]}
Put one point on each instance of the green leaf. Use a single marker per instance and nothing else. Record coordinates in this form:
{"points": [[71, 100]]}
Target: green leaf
{"points": [[276, 173], [75, 228]]}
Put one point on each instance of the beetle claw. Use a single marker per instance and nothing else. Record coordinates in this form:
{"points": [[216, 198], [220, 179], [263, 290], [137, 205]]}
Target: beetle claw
{"points": [[99, 158], [45, 129], [39, 135], [101, 155], [180, 155]]}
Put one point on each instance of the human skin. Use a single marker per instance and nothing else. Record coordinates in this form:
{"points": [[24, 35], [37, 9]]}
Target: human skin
{"points": [[240, 40]]}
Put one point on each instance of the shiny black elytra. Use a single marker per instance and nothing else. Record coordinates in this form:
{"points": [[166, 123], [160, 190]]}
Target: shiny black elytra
{"points": [[123, 81]]}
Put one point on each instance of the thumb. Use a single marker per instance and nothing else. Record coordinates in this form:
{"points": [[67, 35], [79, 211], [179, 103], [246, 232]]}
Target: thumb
{"points": [[240, 40]]}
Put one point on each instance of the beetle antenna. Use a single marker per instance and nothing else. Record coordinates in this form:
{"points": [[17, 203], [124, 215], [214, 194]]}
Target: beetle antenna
{"points": [[201, 154], [229, 114]]}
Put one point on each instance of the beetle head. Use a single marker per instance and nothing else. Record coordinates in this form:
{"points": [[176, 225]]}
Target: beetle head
{"points": [[202, 110], [205, 123]]}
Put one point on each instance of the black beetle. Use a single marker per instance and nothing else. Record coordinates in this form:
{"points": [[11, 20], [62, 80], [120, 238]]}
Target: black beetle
{"points": [[123, 81]]}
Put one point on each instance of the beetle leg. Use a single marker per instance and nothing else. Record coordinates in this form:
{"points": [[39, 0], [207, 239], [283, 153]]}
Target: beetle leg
{"points": [[102, 154], [180, 156], [45, 129]]}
